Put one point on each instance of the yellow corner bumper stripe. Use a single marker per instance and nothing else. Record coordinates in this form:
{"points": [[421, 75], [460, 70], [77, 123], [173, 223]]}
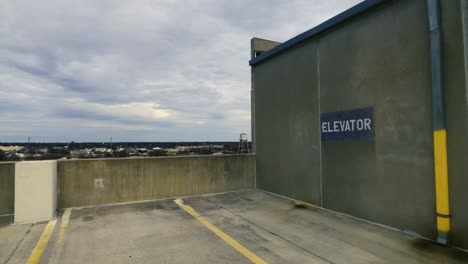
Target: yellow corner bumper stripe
{"points": [[441, 179]]}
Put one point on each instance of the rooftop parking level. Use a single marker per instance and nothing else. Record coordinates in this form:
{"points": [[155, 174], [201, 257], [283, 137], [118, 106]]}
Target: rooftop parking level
{"points": [[234, 227]]}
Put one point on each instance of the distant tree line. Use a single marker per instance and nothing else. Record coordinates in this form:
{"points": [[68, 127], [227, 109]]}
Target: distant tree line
{"points": [[12, 157], [49, 151]]}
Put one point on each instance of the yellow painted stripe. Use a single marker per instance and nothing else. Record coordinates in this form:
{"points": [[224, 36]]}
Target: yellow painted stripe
{"points": [[42, 243], [441, 179], [247, 253], [64, 225]]}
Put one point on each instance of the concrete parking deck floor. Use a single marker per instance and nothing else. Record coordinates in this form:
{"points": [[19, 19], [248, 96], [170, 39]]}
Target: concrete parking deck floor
{"points": [[274, 229]]}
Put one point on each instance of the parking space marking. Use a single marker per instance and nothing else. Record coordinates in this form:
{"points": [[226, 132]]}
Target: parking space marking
{"points": [[42, 243], [244, 251], [64, 225], [57, 251]]}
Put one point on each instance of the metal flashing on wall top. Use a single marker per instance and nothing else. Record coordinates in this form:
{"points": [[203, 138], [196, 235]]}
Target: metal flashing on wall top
{"points": [[340, 18]]}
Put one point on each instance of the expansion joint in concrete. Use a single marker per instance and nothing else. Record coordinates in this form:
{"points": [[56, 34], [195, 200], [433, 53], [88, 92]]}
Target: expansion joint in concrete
{"points": [[18, 245], [273, 233]]}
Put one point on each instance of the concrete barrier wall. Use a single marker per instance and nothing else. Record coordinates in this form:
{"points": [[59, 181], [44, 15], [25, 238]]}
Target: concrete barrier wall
{"points": [[107, 181], [379, 59], [35, 191], [7, 187]]}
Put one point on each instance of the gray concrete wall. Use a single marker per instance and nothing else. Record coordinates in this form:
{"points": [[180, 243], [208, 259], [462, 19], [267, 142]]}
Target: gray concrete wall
{"points": [[379, 59], [287, 134], [106, 181], [262, 45], [455, 73], [7, 187]]}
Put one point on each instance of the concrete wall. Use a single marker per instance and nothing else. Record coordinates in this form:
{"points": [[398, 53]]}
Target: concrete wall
{"points": [[35, 191], [379, 59], [7, 187], [106, 181], [287, 117], [261, 45], [257, 45], [456, 74]]}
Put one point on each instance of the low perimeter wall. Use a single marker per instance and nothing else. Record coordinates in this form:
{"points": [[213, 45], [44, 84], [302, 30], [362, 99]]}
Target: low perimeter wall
{"points": [[106, 181], [7, 187]]}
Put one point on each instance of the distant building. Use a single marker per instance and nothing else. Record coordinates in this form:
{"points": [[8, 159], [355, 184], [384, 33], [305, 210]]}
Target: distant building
{"points": [[103, 150], [11, 148]]}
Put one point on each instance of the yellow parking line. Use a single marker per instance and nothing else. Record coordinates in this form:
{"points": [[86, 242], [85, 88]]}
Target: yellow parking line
{"points": [[64, 225], [244, 251], [42, 243]]}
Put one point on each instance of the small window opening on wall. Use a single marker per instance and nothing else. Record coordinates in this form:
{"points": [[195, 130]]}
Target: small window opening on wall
{"points": [[257, 53]]}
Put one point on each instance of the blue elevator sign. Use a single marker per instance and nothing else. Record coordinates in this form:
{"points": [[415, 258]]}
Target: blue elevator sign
{"points": [[356, 124]]}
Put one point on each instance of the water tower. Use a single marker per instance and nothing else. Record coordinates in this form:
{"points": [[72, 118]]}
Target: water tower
{"points": [[243, 144]]}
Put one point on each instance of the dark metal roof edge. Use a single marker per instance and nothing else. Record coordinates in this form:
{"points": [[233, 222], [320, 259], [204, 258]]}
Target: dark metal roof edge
{"points": [[336, 20]]}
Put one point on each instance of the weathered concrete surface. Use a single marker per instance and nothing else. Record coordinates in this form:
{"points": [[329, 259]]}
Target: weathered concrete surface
{"points": [[381, 59], [330, 237], [261, 45], [21, 240], [456, 92], [257, 45], [287, 118], [11, 236], [106, 181], [7, 187], [155, 232], [6, 219], [378, 59], [273, 228]]}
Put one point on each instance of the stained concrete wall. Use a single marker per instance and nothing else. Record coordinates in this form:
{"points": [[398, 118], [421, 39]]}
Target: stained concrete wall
{"points": [[106, 181], [7, 187], [287, 116], [257, 45], [379, 59], [455, 71]]}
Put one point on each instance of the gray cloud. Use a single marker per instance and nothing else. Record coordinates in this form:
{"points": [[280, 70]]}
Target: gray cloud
{"points": [[137, 70]]}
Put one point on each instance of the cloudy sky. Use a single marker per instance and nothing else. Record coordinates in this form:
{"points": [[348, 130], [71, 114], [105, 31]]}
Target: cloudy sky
{"points": [[137, 70]]}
